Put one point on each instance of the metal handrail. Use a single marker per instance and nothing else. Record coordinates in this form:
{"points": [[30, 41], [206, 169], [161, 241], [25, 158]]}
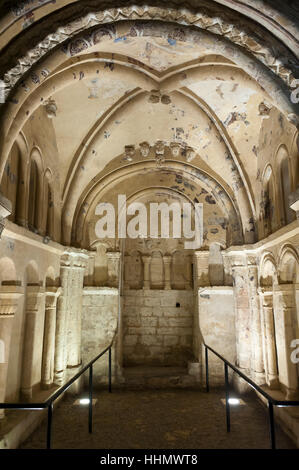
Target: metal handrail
{"points": [[49, 402], [271, 401]]}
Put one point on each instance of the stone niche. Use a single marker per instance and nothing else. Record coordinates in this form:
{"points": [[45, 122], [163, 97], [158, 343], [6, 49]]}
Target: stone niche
{"points": [[157, 327]]}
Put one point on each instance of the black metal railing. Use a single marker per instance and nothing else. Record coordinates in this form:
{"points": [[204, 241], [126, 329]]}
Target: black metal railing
{"points": [[48, 404], [271, 401]]}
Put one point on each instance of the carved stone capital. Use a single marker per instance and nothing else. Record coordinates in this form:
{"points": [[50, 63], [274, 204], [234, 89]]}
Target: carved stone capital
{"points": [[285, 294], [51, 296], [74, 259], [266, 294], [113, 255], [201, 255], [146, 259], [9, 298]]}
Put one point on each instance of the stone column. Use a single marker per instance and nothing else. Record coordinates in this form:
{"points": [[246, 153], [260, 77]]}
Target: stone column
{"points": [[5, 211], [9, 299], [167, 272], [113, 264], [60, 338], [268, 332], [242, 311], [68, 320], [201, 263], [34, 307], [51, 296], [257, 363], [146, 259], [285, 321]]}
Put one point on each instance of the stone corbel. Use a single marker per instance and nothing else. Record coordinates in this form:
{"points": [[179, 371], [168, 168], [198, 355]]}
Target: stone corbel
{"points": [[5, 211]]}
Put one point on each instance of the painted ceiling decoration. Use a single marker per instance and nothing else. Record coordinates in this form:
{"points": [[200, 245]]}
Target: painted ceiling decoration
{"points": [[131, 90]]}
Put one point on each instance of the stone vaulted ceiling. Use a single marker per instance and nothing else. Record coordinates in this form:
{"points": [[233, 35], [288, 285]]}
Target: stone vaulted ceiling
{"points": [[139, 98]]}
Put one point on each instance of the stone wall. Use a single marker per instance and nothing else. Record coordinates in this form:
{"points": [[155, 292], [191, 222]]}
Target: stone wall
{"points": [[99, 322], [158, 327], [216, 323]]}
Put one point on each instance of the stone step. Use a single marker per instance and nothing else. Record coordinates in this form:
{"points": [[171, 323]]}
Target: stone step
{"points": [[158, 377]]}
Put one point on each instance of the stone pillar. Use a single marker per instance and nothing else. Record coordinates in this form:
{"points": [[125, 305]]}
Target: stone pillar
{"points": [[9, 299], [201, 264], [267, 319], [34, 308], [201, 279], [146, 259], [5, 211], [242, 311], [60, 340], [167, 272], [68, 320], [113, 264], [257, 363], [285, 321], [51, 296]]}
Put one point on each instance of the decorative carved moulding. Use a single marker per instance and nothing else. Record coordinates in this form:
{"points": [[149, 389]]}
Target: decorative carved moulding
{"points": [[237, 260], [9, 298], [51, 108], [205, 19], [175, 149], [159, 150], [129, 152], [144, 149], [73, 258]]}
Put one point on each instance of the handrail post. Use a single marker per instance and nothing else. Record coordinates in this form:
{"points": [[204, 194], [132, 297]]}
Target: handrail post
{"points": [[49, 425], [271, 425], [207, 369], [110, 368], [227, 407], [90, 400]]}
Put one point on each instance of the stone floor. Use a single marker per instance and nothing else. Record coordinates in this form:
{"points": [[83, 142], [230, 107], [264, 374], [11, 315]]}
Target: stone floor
{"points": [[149, 419]]}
